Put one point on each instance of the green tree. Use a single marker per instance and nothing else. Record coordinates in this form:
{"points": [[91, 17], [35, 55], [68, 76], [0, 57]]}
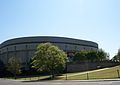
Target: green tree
{"points": [[102, 55], [117, 57], [14, 66], [91, 55], [80, 56], [49, 58], [85, 56]]}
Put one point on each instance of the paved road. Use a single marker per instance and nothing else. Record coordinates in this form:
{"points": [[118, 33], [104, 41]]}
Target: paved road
{"points": [[12, 82]]}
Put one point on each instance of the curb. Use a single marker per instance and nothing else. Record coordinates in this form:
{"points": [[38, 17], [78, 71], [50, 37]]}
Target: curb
{"points": [[96, 80]]}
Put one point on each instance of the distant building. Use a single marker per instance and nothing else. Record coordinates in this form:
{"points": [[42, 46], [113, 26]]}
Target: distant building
{"points": [[24, 48]]}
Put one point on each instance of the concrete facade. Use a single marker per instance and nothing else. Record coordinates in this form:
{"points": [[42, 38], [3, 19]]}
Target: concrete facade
{"points": [[23, 48], [87, 66]]}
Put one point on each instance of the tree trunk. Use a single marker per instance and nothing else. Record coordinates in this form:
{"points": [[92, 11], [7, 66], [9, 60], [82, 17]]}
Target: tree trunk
{"points": [[15, 76], [52, 74]]}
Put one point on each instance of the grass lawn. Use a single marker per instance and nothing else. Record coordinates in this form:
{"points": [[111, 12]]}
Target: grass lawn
{"points": [[106, 73], [34, 78], [30, 78]]}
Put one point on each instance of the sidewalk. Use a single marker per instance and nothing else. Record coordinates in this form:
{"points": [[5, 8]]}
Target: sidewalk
{"points": [[92, 80]]}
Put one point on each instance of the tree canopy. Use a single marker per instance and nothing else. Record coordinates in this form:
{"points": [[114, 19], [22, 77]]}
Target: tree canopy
{"points": [[14, 66], [92, 55], [49, 57], [117, 57]]}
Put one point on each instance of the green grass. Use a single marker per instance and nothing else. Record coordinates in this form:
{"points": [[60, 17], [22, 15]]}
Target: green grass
{"points": [[34, 78], [28, 78], [107, 73]]}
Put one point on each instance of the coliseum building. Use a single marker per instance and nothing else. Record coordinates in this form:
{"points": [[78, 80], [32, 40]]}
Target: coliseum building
{"points": [[24, 48]]}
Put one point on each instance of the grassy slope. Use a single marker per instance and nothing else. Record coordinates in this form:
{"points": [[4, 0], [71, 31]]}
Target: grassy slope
{"points": [[106, 73]]}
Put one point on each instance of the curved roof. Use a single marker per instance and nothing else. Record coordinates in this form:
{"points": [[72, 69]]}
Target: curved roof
{"points": [[40, 39]]}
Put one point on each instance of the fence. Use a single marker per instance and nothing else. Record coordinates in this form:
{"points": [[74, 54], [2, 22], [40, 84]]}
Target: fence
{"points": [[106, 73]]}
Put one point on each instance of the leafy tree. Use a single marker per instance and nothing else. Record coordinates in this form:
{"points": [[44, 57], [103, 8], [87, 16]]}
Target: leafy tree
{"points": [[49, 58], [91, 55], [117, 57], [85, 56], [14, 66], [80, 56], [102, 55]]}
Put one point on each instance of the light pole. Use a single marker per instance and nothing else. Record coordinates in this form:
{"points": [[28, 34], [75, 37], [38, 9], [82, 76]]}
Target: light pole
{"points": [[87, 67], [67, 60], [66, 69]]}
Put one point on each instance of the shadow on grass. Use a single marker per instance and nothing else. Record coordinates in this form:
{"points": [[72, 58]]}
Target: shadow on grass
{"points": [[44, 79]]}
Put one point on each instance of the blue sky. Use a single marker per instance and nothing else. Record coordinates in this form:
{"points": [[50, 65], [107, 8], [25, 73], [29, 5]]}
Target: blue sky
{"points": [[94, 20]]}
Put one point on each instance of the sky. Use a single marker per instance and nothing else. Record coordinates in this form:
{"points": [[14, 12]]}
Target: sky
{"points": [[93, 20]]}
